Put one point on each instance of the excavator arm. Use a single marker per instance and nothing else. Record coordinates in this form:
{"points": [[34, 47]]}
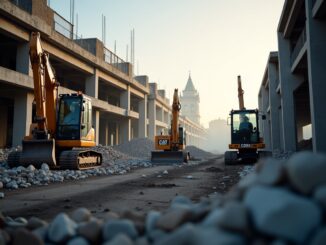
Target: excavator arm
{"points": [[240, 94], [176, 107], [45, 90]]}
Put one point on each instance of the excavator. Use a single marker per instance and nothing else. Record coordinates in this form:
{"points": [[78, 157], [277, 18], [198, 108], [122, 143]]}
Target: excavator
{"points": [[171, 148], [62, 132], [245, 137]]}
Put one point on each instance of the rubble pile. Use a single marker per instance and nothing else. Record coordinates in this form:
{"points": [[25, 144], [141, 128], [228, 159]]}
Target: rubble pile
{"points": [[281, 202], [110, 155], [140, 148], [198, 153], [21, 177], [114, 162]]}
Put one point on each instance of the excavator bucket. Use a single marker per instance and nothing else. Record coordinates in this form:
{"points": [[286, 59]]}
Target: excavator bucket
{"points": [[169, 157], [37, 152]]}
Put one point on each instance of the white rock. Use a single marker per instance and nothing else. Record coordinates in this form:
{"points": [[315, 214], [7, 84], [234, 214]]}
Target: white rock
{"points": [[306, 171], [2, 195], [78, 241], [119, 240], [320, 195], [45, 167], [234, 217], [165, 172], [189, 177], [280, 213], [114, 227], [319, 238], [81, 215], [271, 172], [61, 228], [30, 168]]}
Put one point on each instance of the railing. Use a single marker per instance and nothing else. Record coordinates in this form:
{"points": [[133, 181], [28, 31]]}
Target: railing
{"points": [[299, 45], [25, 5], [65, 28], [114, 60]]}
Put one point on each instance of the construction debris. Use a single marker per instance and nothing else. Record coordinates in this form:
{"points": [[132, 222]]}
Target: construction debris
{"points": [[288, 211], [198, 153], [140, 148], [114, 162]]}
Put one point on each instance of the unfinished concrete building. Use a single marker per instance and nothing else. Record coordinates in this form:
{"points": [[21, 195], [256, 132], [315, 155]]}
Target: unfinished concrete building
{"points": [[301, 89], [121, 101]]}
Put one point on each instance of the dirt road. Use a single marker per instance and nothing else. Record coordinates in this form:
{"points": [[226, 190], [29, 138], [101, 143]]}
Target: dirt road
{"points": [[141, 190]]}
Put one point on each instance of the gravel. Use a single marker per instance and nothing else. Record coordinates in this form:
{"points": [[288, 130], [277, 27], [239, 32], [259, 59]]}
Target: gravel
{"points": [[198, 153], [140, 148], [119, 159], [274, 211], [114, 162]]}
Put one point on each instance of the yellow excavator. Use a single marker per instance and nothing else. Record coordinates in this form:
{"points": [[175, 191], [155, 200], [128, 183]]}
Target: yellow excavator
{"points": [[171, 148], [245, 136], [62, 131]]}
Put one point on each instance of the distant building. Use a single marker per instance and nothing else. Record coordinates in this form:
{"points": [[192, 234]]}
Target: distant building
{"points": [[190, 102], [218, 136]]}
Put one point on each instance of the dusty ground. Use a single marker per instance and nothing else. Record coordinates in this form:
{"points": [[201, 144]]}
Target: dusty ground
{"points": [[141, 190]]}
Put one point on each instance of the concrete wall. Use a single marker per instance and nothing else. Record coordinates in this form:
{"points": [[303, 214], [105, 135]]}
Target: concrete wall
{"points": [[298, 79]]}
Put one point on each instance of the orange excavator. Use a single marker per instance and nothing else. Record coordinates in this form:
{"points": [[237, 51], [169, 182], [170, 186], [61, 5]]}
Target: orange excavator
{"points": [[62, 131], [245, 135], [171, 148]]}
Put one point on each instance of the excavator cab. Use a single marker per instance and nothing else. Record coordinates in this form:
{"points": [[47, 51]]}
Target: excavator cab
{"points": [[245, 138], [69, 116], [244, 127]]}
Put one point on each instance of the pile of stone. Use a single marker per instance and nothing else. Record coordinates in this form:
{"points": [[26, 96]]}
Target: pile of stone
{"points": [[114, 162], [280, 203], [21, 177], [111, 156], [140, 148], [198, 153]]}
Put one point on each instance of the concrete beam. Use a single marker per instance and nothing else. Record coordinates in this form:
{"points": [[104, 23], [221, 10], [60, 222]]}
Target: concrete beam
{"points": [[14, 30], [112, 81], [68, 58]]}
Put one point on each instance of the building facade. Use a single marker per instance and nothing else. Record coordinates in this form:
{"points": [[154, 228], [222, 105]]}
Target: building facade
{"points": [[298, 102], [190, 102], [123, 106]]}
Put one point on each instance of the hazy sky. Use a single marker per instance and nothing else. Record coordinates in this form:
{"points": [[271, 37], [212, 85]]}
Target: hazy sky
{"points": [[214, 39]]}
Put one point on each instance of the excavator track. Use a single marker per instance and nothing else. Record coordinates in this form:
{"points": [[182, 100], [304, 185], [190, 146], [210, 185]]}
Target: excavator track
{"points": [[79, 159]]}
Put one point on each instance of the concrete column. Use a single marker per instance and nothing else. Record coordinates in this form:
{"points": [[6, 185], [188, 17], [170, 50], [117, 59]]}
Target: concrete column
{"points": [[152, 119], [142, 126], [316, 56], [125, 99], [96, 124], [117, 132], [274, 106], [288, 82], [91, 85], [125, 132], [265, 123], [23, 64], [22, 116], [125, 125], [104, 132]]}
